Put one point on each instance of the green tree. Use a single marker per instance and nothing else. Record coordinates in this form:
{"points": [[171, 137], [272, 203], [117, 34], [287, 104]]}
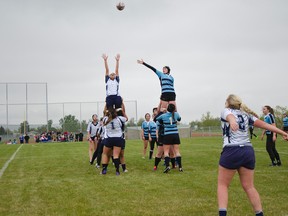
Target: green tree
{"points": [[140, 121], [279, 111], [24, 127], [208, 120], [2, 130], [84, 125], [69, 123], [131, 122]]}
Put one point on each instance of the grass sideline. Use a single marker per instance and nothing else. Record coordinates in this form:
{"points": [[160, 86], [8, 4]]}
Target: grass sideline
{"points": [[56, 179]]}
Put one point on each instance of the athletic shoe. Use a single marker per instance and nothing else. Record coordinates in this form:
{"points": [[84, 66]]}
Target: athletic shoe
{"points": [[279, 163], [166, 170], [103, 172], [180, 170], [272, 165], [125, 171], [97, 166], [117, 173], [155, 168]]}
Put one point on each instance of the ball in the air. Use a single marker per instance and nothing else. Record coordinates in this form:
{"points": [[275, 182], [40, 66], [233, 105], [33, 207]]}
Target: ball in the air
{"points": [[120, 6]]}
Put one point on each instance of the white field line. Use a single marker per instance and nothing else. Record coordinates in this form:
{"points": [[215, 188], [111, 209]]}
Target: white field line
{"points": [[7, 162]]}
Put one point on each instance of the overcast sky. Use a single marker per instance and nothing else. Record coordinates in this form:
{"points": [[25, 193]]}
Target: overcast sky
{"points": [[213, 48]]}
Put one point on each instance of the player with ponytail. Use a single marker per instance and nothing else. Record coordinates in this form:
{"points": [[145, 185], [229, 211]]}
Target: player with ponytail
{"points": [[238, 153]]}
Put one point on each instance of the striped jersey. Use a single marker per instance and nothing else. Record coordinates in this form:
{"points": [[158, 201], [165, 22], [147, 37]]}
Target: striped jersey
{"points": [[92, 128], [169, 123], [241, 136], [145, 128], [115, 127], [112, 86], [269, 119], [152, 129], [285, 121], [166, 81]]}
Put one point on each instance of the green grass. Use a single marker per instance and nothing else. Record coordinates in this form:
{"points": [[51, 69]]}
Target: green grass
{"points": [[56, 179]]}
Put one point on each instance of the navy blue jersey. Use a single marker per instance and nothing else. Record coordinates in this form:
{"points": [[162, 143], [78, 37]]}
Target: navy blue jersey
{"points": [[169, 123], [145, 128], [152, 129], [269, 119]]}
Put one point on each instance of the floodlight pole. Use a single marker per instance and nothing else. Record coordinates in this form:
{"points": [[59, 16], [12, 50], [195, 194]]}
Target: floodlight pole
{"points": [[47, 107], [26, 110], [7, 118]]}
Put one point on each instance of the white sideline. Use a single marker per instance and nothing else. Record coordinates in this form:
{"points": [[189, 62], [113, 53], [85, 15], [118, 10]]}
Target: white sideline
{"points": [[7, 162]]}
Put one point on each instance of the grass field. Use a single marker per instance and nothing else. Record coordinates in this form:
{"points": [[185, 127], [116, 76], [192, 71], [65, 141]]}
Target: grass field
{"points": [[56, 179]]}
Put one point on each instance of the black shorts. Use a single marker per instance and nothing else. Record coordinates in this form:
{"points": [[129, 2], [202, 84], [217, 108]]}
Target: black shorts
{"points": [[111, 142], [285, 128], [171, 139], [235, 157], [146, 138], [168, 96], [124, 144], [160, 141]]}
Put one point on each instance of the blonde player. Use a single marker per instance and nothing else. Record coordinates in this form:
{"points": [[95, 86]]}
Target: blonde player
{"points": [[238, 153]]}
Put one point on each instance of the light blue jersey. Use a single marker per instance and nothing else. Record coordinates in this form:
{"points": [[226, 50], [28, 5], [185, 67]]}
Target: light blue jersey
{"points": [[170, 124], [285, 121], [145, 128], [166, 81], [269, 119], [152, 129]]}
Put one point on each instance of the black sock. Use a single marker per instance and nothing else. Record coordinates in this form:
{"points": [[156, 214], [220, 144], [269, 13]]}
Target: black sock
{"points": [[178, 159], [167, 161], [123, 167], [116, 163], [157, 161], [222, 212], [104, 166], [150, 154], [173, 162], [259, 213], [94, 157]]}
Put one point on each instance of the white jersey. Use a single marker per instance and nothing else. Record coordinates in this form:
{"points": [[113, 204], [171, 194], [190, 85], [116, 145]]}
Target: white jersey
{"points": [[112, 86], [92, 128], [241, 136], [115, 127]]}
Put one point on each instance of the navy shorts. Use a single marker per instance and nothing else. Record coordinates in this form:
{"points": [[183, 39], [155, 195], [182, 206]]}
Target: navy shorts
{"points": [[113, 100], [168, 96], [235, 157], [93, 138], [111, 142], [171, 139]]}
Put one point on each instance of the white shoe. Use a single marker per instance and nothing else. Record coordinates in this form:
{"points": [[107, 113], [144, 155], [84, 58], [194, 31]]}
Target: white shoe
{"points": [[125, 171]]}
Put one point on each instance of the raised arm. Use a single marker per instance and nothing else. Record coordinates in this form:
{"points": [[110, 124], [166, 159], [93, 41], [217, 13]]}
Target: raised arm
{"points": [[105, 57], [149, 66], [261, 124], [117, 64]]}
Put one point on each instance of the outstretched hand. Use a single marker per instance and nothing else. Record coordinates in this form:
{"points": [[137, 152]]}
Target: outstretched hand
{"points": [[117, 57], [105, 57], [140, 61]]}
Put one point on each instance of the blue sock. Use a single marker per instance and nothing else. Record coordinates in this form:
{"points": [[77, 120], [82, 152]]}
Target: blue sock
{"points": [[222, 212]]}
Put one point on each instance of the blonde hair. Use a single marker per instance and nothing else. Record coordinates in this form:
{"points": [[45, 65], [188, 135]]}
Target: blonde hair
{"points": [[235, 102]]}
